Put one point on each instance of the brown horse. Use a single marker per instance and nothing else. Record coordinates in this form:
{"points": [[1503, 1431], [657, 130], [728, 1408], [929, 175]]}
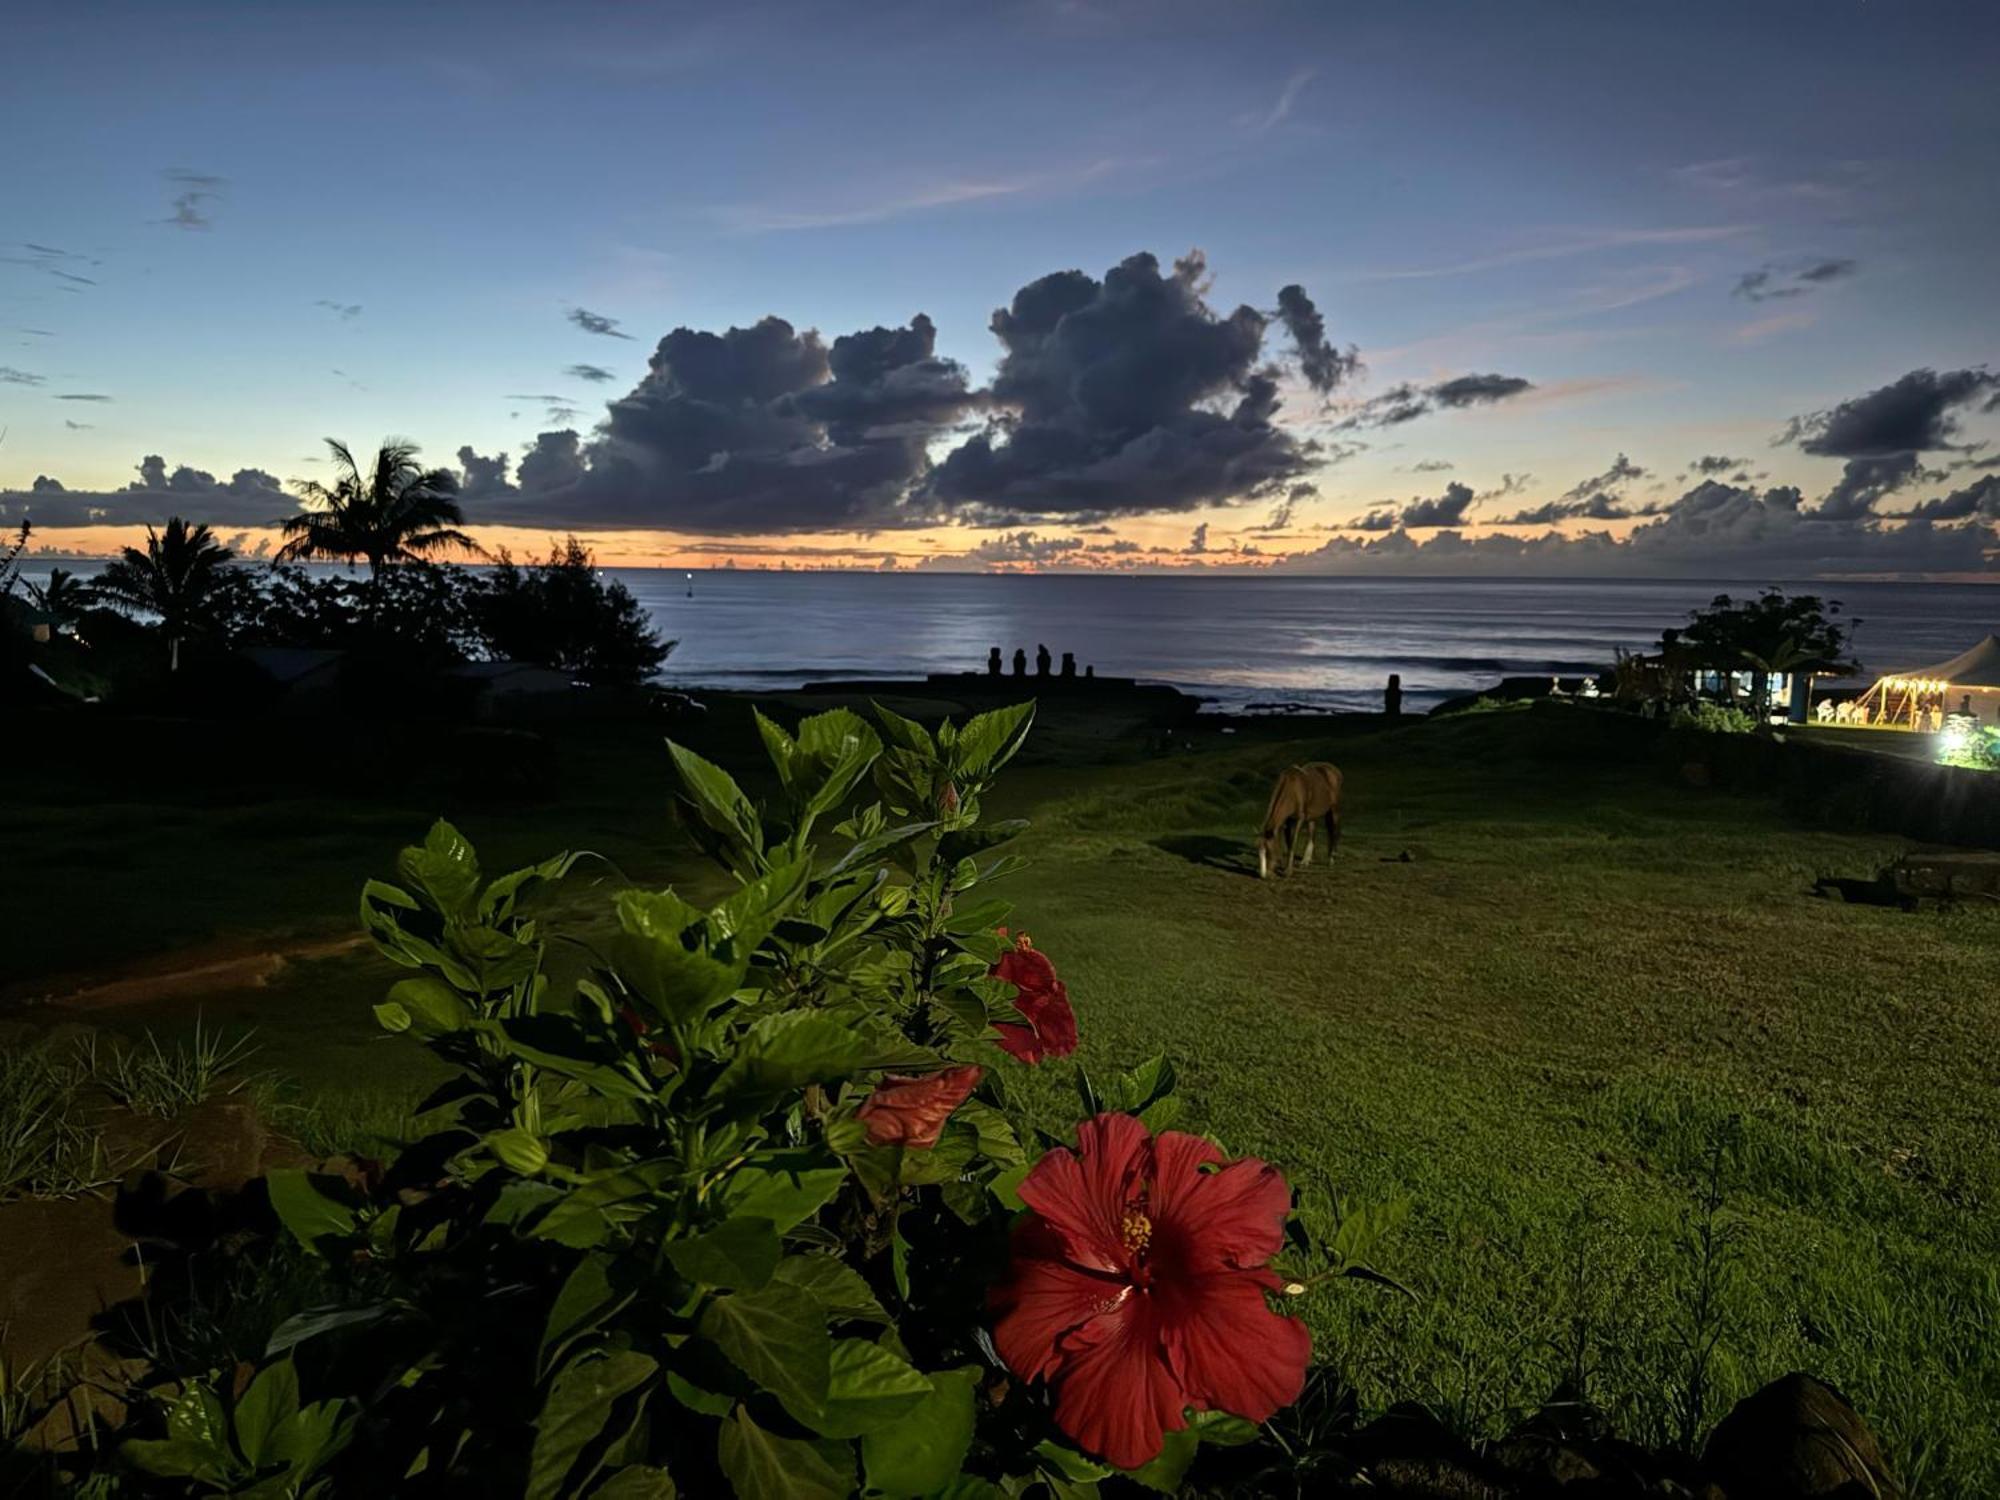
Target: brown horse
{"points": [[1304, 796]]}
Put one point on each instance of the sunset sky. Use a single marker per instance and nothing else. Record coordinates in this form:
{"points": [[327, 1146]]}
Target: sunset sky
{"points": [[1695, 288]]}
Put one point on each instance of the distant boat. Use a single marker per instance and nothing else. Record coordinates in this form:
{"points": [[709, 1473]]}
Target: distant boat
{"points": [[690, 585]]}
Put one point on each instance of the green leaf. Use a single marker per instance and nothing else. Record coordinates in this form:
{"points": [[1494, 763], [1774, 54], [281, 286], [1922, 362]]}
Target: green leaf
{"points": [[271, 1400], [1006, 1186], [586, 1216], [763, 1466], [785, 1195], [778, 1338], [988, 741], [578, 1405], [906, 734], [789, 1050], [651, 953], [739, 1254], [305, 1209], [1362, 1229], [1223, 1429], [444, 868], [1169, 1467], [839, 1288], [694, 1398], [718, 803], [586, 1299], [520, 1151], [921, 1454], [636, 1482], [868, 1387], [1071, 1464]]}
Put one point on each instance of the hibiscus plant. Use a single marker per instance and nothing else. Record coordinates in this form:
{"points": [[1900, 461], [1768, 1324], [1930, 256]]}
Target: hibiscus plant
{"points": [[731, 1195]]}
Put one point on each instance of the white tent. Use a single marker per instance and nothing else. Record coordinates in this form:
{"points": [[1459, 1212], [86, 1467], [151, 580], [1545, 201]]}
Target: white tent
{"points": [[1908, 694]]}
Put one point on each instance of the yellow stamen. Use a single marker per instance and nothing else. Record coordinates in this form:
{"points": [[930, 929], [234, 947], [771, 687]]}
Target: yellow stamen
{"points": [[1137, 1230]]}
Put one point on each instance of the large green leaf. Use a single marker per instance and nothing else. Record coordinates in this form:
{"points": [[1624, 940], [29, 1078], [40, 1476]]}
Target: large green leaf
{"points": [[444, 868], [586, 1299], [763, 1466], [424, 1004], [587, 1215], [785, 1194], [989, 740], [778, 1338], [868, 1387], [309, 1211], [718, 804], [739, 1254], [662, 953], [1169, 1466], [271, 1400], [837, 1285], [789, 1050], [578, 1406], [921, 1454]]}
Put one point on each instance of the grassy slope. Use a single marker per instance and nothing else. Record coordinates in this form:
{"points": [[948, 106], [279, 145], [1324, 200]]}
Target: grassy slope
{"points": [[1533, 1031]]}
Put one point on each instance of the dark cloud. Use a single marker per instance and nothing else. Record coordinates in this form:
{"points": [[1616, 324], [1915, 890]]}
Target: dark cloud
{"points": [[1405, 403], [79, 426], [1713, 530], [1914, 414], [591, 322], [1197, 542], [1011, 549], [1324, 365], [1610, 483], [1433, 466], [1776, 279], [1981, 498], [81, 396], [481, 477], [1446, 510], [345, 311], [249, 497], [1119, 397], [1710, 464], [196, 189], [1883, 434], [596, 374], [1281, 515], [11, 376]]}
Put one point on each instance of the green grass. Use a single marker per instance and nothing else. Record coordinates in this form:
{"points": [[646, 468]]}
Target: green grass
{"points": [[1536, 1029]]}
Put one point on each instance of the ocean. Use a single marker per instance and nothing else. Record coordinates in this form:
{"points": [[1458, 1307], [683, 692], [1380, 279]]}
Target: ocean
{"points": [[1241, 643]]}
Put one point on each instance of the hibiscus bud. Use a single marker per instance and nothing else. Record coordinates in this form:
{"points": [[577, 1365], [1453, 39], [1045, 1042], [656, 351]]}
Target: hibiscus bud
{"points": [[911, 1111], [948, 800], [1295, 1289]]}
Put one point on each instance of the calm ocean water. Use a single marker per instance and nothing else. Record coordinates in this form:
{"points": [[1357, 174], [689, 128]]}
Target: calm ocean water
{"points": [[1323, 642], [1239, 642]]}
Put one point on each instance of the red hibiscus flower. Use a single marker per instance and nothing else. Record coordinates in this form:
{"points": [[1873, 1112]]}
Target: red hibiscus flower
{"points": [[1137, 1288], [1049, 1025], [638, 1026], [912, 1111]]}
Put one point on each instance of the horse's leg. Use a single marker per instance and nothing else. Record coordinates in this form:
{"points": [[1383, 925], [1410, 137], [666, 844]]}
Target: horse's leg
{"points": [[1332, 833], [1264, 856], [1307, 861], [1292, 828]]}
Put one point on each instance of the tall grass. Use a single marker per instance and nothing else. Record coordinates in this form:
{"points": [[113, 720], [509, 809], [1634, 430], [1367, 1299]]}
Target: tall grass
{"points": [[150, 1078], [49, 1147]]}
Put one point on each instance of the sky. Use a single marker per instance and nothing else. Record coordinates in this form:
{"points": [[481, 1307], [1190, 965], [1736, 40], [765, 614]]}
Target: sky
{"points": [[1537, 286]]}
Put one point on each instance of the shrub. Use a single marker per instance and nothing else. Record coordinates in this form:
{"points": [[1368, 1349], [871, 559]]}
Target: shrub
{"points": [[749, 1204], [1715, 718], [562, 614]]}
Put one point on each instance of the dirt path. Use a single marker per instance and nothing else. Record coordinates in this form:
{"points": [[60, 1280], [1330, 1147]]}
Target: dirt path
{"points": [[183, 974]]}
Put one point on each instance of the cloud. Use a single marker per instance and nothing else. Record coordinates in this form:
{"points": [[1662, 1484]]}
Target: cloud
{"points": [[1433, 466], [1981, 498], [481, 478], [1776, 279], [597, 323], [1281, 515], [1323, 365], [250, 497], [1562, 246], [1281, 107], [1122, 396], [1713, 530], [754, 218], [1609, 483], [196, 189], [1406, 402], [1716, 463], [596, 374], [11, 376], [82, 396], [79, 426], [764, 428], [1197, 541], [1012, 550], [1883, 434], [51, 261], [1448, 509], [345, 311]]}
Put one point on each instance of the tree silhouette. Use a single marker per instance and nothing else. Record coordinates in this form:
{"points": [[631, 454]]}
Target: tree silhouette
{"points": [[63, 598], [397, 511], [184, 576], [1773, 633]]}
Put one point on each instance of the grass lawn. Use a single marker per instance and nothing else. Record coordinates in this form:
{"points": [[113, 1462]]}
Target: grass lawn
{"points": [[1539, 1030]]}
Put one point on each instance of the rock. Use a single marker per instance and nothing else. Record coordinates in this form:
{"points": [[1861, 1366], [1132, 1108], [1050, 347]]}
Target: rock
{"points": [[1545, 1463], [62, 1263], [222, 1144], [1407, 1452], [1797, 1439]]}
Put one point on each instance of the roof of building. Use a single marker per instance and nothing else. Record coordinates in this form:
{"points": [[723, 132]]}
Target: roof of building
{"points": [[1978, 666]]}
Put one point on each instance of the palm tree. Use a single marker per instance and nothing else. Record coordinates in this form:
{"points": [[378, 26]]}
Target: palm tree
{"points": [[63, 598], [398, 511], [180, 577]]}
